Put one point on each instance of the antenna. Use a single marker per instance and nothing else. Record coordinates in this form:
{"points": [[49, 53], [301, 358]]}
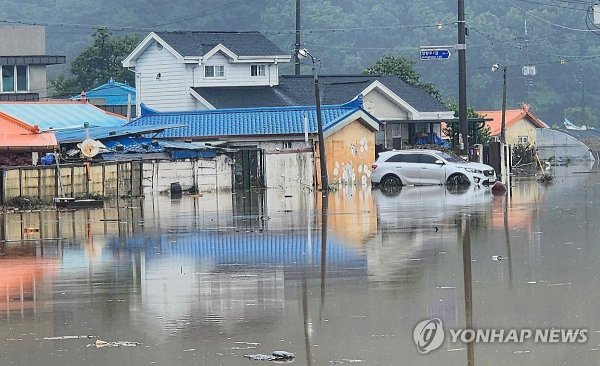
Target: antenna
{"points": [[90, 148]]}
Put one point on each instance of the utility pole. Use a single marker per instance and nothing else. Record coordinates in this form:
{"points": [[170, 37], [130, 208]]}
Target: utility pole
{"points": [[462, 77], [528, 77], [582, 81], [297, 45]]}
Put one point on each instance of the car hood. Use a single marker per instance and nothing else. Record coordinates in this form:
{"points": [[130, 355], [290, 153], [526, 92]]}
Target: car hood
{"points": [[478, 166]]}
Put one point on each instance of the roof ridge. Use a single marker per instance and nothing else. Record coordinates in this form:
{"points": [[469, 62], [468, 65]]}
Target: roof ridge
{"points": [[205, 32], [353, 104]]}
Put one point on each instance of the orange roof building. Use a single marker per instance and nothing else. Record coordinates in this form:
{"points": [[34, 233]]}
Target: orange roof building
{"points": [[21, 143], [520, 125]]}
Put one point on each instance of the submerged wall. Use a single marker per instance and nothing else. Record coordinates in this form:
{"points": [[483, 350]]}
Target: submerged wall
{"points": [[113, 179], [206, 175]]}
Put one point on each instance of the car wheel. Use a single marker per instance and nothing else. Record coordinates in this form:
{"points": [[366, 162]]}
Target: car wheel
{"points": [[458, 180], [391, 182]]}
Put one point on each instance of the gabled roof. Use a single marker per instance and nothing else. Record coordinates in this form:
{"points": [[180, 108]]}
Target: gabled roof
{"points": [[111, 93], [193, 46], [299, 90], [56, 115], [255, 121], [199, 43], [512, 116]]}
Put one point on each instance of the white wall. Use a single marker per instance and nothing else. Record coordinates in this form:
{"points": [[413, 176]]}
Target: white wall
{"points": [[170, 92], [289, 165], [207, 174], [236, 74]]}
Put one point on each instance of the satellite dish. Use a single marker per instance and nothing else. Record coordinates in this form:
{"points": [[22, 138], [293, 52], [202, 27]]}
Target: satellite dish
{"points": [[90, 148]]}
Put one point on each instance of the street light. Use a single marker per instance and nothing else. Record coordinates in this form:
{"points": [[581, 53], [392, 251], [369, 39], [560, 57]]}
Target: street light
{"points": [[302, 54], [495, 68]]}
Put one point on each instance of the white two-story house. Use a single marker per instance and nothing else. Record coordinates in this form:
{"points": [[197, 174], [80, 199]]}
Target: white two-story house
{"points": [[182, 71], [169, 65]]}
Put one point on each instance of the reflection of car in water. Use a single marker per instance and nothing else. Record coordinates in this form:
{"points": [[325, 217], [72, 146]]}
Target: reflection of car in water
{"points": [[418, 202], [422, 167], [415, 223]]}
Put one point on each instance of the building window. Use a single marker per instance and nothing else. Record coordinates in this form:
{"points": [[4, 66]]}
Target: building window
{"points": [[216, 71], [523, 139], [22, 82], [258, 70], [14, 78]]}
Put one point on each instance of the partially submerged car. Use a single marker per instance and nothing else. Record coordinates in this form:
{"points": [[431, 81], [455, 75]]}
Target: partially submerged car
{"points": [[425, 167]]}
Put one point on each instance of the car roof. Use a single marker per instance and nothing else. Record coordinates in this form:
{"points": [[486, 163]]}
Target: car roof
{"points": [[409, 151]]}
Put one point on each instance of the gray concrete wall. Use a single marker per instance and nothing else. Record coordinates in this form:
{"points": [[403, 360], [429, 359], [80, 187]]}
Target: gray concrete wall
{"points": [[22, 40], [556, 144], [37, 80], [207, 175]]}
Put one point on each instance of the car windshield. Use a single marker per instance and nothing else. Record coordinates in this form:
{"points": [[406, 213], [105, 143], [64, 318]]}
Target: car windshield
{"points": [[451, 158]]}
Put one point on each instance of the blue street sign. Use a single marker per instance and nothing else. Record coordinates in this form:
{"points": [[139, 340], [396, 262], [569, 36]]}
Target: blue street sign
{"points": [[435, 54]]}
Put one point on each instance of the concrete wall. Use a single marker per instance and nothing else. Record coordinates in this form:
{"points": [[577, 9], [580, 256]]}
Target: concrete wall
{"points": [[37, 80], [206, 175], [43, 182], [382, 107], [556, 144], [350, 153], [22, 40]]}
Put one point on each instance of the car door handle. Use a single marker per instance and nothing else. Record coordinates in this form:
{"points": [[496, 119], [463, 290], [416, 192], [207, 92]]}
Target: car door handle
{"points": [[423, 167], [398, 167]]}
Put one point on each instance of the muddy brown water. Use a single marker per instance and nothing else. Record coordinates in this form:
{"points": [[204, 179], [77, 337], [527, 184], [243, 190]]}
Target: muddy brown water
{"points": [[207, 280]]}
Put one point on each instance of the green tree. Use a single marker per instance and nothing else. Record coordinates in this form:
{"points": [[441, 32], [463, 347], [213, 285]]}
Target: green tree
{"points": [[483, 134], [97, 64], [405, 70]]}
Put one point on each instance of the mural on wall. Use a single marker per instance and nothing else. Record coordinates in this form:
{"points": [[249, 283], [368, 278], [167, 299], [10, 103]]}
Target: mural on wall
{"points": [[352, 166]]}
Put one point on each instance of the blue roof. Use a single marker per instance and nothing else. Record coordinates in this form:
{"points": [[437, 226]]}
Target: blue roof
{"points": [[247, 121], [111, 93], [60, 115]]}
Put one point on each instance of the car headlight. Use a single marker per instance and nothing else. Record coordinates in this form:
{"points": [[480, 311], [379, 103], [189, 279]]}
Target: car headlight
{"points": [[471, 170]]}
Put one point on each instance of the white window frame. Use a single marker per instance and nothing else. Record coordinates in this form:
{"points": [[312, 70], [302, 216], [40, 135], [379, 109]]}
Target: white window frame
{"points": [[523, 140], [221, 75], [15, 82], [261, 70]]}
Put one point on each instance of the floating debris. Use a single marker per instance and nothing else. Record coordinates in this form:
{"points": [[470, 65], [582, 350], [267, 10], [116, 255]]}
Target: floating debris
{"points": [[344, 361], [101, 344], [522, 351], [275, 356], [67, 337], [498, 258]]}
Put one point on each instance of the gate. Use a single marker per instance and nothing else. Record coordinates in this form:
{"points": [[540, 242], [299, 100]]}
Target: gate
{"points": [[248, 169]]}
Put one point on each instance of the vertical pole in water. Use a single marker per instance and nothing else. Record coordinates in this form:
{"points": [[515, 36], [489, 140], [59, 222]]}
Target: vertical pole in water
{"points": [[60, 187]]}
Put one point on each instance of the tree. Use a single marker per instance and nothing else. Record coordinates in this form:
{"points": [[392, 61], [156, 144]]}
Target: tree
{"points": [[405, 70], [97, 64], [483, 134]]}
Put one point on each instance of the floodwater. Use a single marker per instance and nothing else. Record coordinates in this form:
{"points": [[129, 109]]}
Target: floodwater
{"points": [[206, 280]]}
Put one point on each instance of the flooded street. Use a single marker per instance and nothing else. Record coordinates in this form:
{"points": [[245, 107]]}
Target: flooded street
{"points": [[206, 280]]}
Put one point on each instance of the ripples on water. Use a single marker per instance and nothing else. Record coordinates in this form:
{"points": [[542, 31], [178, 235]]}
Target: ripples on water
{"points": [[208, 280]]}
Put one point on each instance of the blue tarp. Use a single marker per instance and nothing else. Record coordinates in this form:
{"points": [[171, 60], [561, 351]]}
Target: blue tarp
{"points": [[431, 139]]}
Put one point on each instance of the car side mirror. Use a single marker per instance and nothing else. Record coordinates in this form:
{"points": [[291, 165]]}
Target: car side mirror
{"points": [[439, 162]]}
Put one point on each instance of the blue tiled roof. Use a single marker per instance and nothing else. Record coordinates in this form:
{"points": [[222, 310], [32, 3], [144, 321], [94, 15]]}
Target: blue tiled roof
{"points": [[60, 115], [111, 93], [248, 121]]}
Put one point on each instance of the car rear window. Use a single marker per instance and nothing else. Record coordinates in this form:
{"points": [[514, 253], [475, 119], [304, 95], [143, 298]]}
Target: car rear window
{"points": [[398, 158]]}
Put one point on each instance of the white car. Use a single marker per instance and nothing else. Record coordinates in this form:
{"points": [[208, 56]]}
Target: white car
{"points": [[421, 167]]}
